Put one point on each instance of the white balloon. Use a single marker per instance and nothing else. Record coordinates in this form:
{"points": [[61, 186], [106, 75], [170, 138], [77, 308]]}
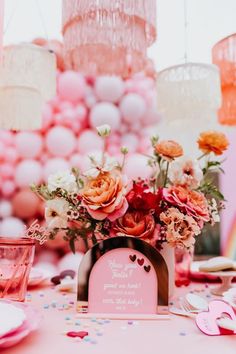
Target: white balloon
{"points": [[109, 88], [28, 172], [136, 166], [12, 227], [105, 113], [89, 141], [133, 107], [54, 165], [70, 261]]}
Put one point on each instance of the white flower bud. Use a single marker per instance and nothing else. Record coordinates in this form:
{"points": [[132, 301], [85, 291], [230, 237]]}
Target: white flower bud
{"points": [[104, 130]]}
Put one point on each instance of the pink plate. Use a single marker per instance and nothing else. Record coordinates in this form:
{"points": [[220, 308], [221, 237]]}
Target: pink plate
{"points": [[30, 324]]}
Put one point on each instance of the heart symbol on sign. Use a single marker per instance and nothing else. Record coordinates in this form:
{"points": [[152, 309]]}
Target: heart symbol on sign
{"points": [[140, 261], [207, 321], [147, 268], [132, 258]]}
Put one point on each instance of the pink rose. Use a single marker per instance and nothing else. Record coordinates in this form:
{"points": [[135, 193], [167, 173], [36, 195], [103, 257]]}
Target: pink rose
{"points": [[192, 202]]}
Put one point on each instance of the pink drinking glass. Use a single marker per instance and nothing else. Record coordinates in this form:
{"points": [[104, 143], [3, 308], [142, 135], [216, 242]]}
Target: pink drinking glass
{"points": [[183, 260], [16, 258]]}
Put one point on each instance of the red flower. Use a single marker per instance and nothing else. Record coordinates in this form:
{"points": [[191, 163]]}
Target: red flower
{"points": [[135, 224], [140, 198]]}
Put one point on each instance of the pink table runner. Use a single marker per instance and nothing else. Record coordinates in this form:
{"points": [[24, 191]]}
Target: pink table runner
{"points": [[175, 336]]}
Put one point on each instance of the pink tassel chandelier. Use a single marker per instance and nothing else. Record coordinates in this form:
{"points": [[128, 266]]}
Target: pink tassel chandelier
{"points": [[108, 36], [224, 56]]}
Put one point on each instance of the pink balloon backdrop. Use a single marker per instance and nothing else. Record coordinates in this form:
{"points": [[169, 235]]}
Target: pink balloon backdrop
{"points": [[68, 135]]}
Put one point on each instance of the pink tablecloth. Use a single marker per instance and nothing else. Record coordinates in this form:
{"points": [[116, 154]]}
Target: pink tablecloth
{"points": [[177, 335]]}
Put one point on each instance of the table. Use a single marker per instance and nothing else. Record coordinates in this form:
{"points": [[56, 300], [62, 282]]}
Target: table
{"points": [[178, 335]]}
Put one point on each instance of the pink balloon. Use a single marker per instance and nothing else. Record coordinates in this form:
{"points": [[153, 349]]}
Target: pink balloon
{"points": [[60, 141], [136, 127], [133, 107], [12, 227], [137, 166], [76, 160], [7, 170], [44, 157], [7, 137], [114, 139], [145, 145], [2, 150], [47, 116], [113, 150], [81, 111], [69, 114], [11, 155], [64, 105], [109, 88], [29, 200], [54, 165], [105, 113], [5, 209], [27, 173], [71, 86], [8, 188], [89, 141], [76, 126], [131, 141], [28, 144], [90, 101]]}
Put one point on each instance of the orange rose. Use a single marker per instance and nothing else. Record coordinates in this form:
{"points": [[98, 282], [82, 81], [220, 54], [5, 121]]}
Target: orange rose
{"points": [[169, 149], [212, 141], [104, 196], [137, 224]]}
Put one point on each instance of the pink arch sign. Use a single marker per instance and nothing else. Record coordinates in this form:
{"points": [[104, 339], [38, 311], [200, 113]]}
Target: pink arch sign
{"points": [[123, 281]]}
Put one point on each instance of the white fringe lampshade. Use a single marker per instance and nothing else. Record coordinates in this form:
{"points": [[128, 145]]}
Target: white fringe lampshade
{"points": [[189, 92], [27, 80], [108, 36]]}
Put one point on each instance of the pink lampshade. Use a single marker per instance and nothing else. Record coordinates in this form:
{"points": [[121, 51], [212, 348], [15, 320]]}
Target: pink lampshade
{"points": [[224, 56], [108, 36]]}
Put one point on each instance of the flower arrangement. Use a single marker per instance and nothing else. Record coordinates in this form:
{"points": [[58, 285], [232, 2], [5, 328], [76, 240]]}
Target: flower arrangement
{"points": [[172, 206]]}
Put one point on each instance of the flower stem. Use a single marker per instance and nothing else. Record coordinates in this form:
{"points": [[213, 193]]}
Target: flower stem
{"points": [[203, 155], [166, 174]]}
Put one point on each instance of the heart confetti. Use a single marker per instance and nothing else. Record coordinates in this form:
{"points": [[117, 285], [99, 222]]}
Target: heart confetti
{"points": [[80, 334]]}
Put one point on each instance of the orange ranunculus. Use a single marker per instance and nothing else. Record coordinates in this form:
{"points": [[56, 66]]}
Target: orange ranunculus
{"points": [[137, 224], [169, 149], [104, 196], [212, 141]]}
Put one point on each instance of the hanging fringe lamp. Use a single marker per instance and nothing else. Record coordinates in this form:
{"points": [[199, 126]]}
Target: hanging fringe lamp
{"points": [[224, 56], [108, 36], [27, 80]]}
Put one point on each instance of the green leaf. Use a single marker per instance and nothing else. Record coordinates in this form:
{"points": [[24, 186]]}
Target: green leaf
{"points": [[72, 244]]}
